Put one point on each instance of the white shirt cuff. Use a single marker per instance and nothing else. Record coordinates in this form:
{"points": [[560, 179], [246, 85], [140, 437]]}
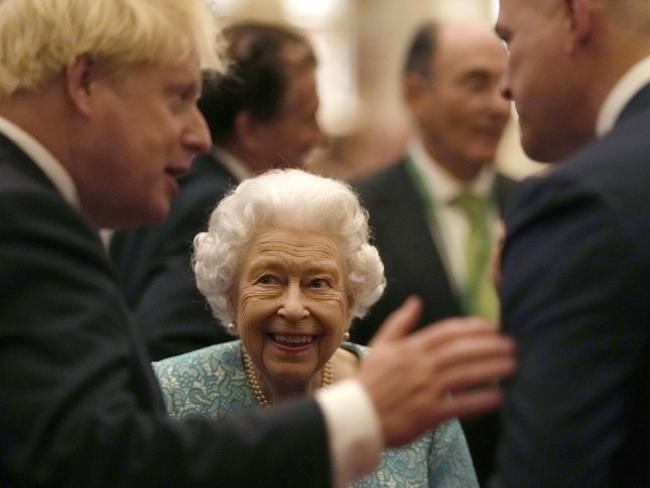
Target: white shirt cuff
{"points": [[355, 437]]}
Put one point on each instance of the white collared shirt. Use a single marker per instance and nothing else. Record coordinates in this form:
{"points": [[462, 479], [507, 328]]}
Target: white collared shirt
{"points": [[452, 226], [629, 85], [44, 159], [232, 163]]}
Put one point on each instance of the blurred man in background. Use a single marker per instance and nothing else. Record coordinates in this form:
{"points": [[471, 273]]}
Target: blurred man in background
{"points": [[434, 213]]}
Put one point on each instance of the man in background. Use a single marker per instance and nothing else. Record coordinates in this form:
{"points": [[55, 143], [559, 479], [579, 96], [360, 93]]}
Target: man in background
{"points": [[261, 114], [576, 263], [434, 213]]}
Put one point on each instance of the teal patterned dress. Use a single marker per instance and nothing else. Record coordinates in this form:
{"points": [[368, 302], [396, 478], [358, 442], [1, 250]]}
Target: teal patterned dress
{"points": [[211, 381]]}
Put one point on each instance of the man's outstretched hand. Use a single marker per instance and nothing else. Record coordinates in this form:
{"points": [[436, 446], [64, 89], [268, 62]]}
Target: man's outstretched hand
{"points": [[445, 370]]}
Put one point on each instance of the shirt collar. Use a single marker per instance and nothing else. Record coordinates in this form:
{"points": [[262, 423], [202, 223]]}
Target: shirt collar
{"points": [[44, 159], [624, 90], [232, 163], [442, 186]]}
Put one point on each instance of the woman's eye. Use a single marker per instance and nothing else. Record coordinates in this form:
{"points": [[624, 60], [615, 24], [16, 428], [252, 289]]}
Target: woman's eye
{"points": [[320, 283], [266, 279]]}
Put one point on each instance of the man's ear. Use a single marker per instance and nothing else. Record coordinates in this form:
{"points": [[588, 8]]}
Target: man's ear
{"points": [[413, 87], [581, 13], [245, 128], [80, 74]]}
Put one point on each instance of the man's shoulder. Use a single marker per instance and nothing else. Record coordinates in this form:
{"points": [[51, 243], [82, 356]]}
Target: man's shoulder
{"points": [[29, 199], [18, 172], [613, 168], [207, 179], [382, 183]]}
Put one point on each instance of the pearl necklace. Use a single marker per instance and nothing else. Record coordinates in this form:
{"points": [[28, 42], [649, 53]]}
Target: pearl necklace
{"points": [[327, 378]]}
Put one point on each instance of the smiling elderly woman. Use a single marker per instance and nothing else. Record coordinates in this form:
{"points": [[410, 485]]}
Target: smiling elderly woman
{"points": [[287, 265]]}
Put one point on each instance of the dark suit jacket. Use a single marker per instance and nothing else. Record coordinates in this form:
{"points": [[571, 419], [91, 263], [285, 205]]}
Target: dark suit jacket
{"points": [[576, 297], [154, 268], [79, 404], [413, 265]]}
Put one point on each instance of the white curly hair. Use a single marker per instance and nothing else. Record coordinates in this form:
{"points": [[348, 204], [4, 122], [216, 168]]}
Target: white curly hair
{"points": [[286, 198]]}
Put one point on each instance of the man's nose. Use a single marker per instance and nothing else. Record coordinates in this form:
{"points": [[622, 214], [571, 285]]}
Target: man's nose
{"points": [[196, 136], [504, 87], [500, 103]]}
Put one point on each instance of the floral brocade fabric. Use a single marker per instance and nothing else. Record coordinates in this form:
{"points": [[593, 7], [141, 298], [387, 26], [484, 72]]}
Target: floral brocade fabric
{"points": [[212, 382]]}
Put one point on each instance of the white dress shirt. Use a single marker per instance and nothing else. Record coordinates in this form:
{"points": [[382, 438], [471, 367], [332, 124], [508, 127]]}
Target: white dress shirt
{"points": [[629, 85], [232, 163], [451, 224]]}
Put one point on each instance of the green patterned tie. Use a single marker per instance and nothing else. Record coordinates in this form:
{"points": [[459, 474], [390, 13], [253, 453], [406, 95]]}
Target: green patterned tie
{"points": [[480, 295]]}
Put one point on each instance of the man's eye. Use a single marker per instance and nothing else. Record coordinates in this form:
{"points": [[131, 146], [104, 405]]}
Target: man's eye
{"points": [[181, 99]]}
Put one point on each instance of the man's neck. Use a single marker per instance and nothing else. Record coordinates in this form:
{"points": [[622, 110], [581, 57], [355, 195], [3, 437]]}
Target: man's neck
{"points": [[463, 171], [254, 162]]}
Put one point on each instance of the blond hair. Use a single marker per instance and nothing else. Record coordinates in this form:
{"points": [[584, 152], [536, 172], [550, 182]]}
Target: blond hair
{"points": [[39, 37]]}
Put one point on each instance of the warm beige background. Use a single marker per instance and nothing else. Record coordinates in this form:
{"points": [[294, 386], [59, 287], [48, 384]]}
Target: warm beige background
{"points": [[360, 44]]}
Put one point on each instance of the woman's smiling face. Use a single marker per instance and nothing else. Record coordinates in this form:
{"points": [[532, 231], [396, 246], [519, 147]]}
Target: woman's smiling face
{"points": [[291, 305]]}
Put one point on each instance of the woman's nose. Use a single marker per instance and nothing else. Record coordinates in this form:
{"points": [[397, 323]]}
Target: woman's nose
{"points": [[293, 307]]}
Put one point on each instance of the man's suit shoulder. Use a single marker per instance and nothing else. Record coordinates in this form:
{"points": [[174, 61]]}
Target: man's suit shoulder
{"points": [[614, 169], [201, 189], [379, 184]]}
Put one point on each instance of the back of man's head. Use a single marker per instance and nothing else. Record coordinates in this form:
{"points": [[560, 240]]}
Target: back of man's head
{"points": [[420, 51], [261, 58]]}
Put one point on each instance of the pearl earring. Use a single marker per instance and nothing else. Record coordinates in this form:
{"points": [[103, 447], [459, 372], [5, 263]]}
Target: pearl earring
{"points": [[231, 328], [346, 336]]}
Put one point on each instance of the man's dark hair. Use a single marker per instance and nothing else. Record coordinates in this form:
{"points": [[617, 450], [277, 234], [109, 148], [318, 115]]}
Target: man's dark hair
{"points": [[419, 57], [258, 76]]}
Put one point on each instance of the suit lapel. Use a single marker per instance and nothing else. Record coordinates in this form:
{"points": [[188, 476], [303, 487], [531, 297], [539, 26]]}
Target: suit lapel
{"points": [[639, 103], [504, 187], [420, 256], [11, 155]]}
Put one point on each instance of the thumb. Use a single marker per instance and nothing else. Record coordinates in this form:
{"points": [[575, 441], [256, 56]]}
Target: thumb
{"points": [[399, 322]]}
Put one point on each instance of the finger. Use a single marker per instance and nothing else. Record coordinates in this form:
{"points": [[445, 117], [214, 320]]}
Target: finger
{"points": [[399, 322], [477, 347], [478, 374], [434, 335]]}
